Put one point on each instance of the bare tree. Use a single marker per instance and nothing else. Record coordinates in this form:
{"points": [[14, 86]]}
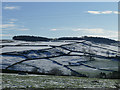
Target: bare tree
{"points": [[108, 53], [90, 51], [84, 51]]}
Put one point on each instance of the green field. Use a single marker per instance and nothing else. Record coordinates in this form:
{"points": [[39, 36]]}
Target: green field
{"points": [[47, 81]]}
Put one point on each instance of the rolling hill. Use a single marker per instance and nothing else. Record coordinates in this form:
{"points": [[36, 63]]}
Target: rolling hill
{"points": [[84, 57]]}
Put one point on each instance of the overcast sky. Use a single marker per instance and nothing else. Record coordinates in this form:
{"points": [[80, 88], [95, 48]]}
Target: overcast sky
{"points": [[60, 19]]}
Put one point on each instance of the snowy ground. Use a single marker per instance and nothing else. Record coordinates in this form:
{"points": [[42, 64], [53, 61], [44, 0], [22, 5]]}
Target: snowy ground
{"points": [[61, 54], [23, 48], [47, 82]]}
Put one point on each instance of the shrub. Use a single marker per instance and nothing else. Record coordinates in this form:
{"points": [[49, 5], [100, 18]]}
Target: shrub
{"points": [[56, 71], [34, 70]]}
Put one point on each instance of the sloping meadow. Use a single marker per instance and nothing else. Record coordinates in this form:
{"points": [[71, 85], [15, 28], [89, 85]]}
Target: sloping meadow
{"points": [[79, 58]]}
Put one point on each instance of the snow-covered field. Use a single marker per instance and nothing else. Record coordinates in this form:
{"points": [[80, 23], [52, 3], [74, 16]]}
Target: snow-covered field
{"points": [[82, 57], [23, 48]]}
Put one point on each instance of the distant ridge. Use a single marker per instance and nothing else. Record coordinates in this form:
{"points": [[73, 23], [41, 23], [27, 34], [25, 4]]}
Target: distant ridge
{"points": [[30, 38], [92, 39]]}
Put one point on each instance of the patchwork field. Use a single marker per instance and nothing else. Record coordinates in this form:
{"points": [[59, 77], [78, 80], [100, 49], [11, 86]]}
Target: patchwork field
{"points": [[81, 58]]}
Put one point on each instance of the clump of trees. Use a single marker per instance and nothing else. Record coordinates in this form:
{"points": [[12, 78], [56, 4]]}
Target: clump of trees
{"points": [[92, 39], [56, 71], [30, 38], [115, 75], [99, 40], [70, 38]]}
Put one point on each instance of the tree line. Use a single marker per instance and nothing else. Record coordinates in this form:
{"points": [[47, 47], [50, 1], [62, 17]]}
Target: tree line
{"points": [[92, 39], [30, 38]]}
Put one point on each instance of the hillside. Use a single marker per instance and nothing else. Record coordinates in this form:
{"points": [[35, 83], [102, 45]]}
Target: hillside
{"points": [[77, 57]]}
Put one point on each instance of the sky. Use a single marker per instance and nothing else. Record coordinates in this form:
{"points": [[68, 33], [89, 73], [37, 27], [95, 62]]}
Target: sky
{"points": [[60, 19], [60, 0]]}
